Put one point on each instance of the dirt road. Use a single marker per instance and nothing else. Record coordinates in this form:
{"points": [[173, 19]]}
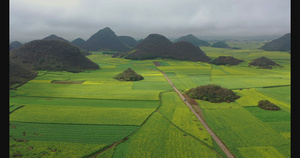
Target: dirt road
{"points": [[216, 138]]}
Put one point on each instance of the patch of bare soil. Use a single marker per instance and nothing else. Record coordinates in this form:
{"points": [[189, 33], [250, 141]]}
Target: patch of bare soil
{"points": [[156, 63], [194, 104]]}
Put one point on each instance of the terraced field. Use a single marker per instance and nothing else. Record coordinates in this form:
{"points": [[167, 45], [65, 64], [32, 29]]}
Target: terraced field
{"points": [[63, 114]]}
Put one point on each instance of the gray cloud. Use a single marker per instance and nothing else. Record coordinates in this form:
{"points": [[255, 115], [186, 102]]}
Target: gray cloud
{"points": [[35, 19]]}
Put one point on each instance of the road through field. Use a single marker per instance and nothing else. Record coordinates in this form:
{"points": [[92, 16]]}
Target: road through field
{"points": [[216, 138]]}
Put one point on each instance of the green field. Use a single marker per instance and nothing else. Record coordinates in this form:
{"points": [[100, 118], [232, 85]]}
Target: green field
{"points": [[147, 118]]}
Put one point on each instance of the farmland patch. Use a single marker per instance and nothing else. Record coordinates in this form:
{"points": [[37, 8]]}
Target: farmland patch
{"points": [[237, 128], [81, 115], [260, 151], [269, 116], [251, 97], [76, 120], [95, 134], [152, 85], [35, 148], [158, 138], [116, 90], [150, 104]]}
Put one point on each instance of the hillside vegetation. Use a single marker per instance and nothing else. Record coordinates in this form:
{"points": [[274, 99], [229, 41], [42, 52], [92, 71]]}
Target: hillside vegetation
{"points": [[54, 37], [128, 75], [52, 55], [79, 42], [14, 45], [267, 105], [226, 60], [281, 44], [156, 45], [213, 94], [128, 41], [220, 44], [104, 39], [19, 73], [194, 40], [263, 63]]}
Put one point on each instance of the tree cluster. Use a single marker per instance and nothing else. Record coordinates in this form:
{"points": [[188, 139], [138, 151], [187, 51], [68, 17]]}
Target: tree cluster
{"points": [[212, 93], [226, 60], [128, 75], [267, 105]]}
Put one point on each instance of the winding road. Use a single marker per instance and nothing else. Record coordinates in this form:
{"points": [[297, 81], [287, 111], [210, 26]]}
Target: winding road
{"points": [[213, 135]]}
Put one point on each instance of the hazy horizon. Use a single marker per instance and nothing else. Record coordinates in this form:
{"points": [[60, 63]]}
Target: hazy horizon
{"points": [[71, 19]]}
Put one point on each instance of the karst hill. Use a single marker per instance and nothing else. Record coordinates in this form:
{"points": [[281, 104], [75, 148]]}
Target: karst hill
{"points": [[56, 55], [54, 37], [220, 44], [194, 40], [263, 63], [79, 42], [128, 75], [105, 39], [13, 45], [155, 46], [281, 44]]}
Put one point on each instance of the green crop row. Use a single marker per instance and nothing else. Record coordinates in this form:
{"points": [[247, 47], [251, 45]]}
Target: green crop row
{"points": [[112, 103], [240, 127], [81, 115], [96, 134], [158, 138], [37, 149]]}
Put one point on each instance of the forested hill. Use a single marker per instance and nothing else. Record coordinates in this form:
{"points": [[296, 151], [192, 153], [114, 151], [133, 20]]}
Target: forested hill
{"points": [[281, 44], [104, 39], [56, 55], [156, 45]]}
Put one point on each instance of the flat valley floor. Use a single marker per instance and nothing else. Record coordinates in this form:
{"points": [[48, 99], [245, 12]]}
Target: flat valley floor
{"points": [[90, 114]]}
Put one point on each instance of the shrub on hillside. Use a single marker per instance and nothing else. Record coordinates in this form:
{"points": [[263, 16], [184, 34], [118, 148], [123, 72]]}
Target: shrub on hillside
{"points": [[212, 93]]}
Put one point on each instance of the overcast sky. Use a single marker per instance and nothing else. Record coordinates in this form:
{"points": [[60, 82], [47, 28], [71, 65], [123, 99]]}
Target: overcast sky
{"points": [[70, 19]]}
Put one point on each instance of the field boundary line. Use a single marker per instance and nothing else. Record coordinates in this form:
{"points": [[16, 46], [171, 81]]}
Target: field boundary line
{"points": [[93, 155], [262, 87], [96, 153], [16, 109]]}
